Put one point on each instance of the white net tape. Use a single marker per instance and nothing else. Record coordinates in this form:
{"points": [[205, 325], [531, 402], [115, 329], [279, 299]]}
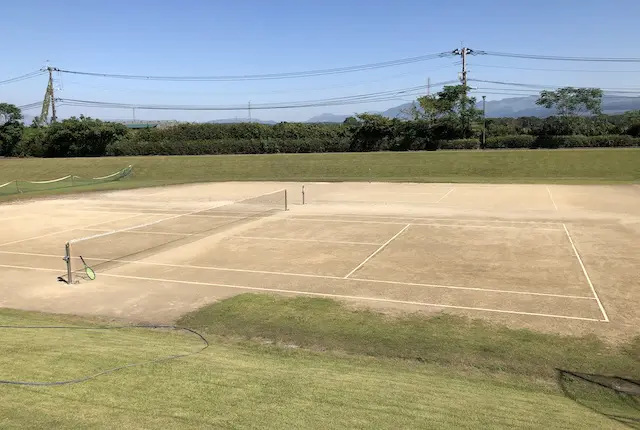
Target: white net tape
{"points": [[8, 183], [49, 182]]}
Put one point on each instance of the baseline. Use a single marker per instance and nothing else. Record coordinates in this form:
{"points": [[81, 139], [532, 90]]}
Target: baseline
{"points": [[306, 275], [336, 296], [305, 219]]}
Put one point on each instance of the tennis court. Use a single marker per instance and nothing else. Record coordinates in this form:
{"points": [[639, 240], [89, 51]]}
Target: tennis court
{"points": [[529, 255]]}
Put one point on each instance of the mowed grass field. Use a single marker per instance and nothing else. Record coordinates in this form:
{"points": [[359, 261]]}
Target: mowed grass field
{"points": [[597, 166], [255, 375]]}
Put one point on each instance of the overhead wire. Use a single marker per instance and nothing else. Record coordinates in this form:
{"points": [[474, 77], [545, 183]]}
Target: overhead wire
{"points": [[268, 76], [24, 77], [558, 57], [334, 101], [553, 70]]}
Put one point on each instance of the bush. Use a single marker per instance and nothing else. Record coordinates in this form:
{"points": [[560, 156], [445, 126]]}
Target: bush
{"points": [[512, 142], [613, 141], [634, 130], [224, 146], [458, 144]]}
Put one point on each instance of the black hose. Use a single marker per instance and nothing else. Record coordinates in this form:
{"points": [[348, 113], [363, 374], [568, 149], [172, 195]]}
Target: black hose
{"points": [[104, 372]]}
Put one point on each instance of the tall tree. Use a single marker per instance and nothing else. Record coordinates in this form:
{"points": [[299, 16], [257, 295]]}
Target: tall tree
{"points": [[11, 128], [570, 101], [451, 111]]}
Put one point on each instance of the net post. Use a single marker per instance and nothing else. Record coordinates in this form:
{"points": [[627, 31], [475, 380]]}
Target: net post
{"points": [[18, 187], [67, 259], [303, 194], [286, 203]]}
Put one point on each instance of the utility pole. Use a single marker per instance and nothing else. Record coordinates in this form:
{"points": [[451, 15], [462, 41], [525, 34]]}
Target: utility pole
{"points": [[484, 121], [134, 114], [428, 87], [51, 94], [463, 53]]}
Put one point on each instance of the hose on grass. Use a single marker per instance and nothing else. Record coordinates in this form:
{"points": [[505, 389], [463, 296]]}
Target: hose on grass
{"points": [[205, 343]]}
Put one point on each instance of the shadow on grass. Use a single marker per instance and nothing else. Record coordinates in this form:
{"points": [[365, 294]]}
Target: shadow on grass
{"points": [[611, 396]]}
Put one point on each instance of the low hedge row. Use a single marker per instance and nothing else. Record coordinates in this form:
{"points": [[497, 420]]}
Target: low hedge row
{"points": [[219, 147], [275, 146]]}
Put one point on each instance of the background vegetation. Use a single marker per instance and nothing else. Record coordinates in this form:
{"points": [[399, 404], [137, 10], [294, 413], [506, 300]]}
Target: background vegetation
{"points": [[446, 120]]}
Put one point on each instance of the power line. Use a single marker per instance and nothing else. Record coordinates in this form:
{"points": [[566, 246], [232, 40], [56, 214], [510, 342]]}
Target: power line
{"points": [[559, 58], [539, 86], [285, 75], [254, 93], [24, 77], [335, 101], [555, 70]]}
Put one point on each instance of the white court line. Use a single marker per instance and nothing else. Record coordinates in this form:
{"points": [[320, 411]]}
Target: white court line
{"points": [[67, 230], [418, 223], [428, 218], [448, 192], [377, 251], [141, 232], [551, 197], [284, 239], [309, 293], [305, 275], [584, 270]]}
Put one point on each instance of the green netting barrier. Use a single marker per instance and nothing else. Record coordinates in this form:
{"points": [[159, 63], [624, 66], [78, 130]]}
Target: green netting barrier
{"points": [[21, 186]]}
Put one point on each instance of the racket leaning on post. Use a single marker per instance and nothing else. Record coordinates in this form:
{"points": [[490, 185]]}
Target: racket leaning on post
{"points": [[88, 270]]}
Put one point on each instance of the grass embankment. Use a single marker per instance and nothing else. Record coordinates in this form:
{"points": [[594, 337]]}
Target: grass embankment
{"points": [[523, 166], [237, 383]]}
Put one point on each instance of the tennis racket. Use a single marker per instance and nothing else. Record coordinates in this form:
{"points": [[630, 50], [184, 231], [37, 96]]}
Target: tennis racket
{"points": [[88, 270]]}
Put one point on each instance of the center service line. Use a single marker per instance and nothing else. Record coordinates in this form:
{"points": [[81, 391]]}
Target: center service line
{"points": [[377, 251]]}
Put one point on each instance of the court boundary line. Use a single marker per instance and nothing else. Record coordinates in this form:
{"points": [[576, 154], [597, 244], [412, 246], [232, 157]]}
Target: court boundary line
{"points": [[285, 239], [142, 232], [443, 197], [308, 275], [584, 270], [427, 218], [419, 224], [551, 197], [66, 231], [335, 296], [383, 246]]}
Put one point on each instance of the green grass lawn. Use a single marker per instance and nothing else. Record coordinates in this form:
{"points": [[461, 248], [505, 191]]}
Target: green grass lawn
{"points": [[237, 383], [524, 166]]}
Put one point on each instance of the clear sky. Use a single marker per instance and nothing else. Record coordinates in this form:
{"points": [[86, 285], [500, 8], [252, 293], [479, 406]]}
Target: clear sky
{"points": [[239, 37]]}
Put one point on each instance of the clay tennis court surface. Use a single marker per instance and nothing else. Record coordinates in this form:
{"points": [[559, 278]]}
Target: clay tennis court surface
{"points": [[552, 258]]}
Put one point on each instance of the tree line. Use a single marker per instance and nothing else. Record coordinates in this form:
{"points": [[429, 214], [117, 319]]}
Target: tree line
{"points": [[448, 119]]}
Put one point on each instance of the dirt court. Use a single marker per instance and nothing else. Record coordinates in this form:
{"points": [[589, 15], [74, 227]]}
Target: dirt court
{"points": [[555, 258]]}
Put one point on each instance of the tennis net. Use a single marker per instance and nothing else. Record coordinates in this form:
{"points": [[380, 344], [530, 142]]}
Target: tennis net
{"points": [[20, 186], [107, 249]]}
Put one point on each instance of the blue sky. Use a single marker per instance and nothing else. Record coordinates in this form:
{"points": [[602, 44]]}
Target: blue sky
{"points": [[197, 37]]}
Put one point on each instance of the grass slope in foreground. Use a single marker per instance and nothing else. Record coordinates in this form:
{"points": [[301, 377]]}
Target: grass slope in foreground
{"points": [[524, 166], [236, 384]]}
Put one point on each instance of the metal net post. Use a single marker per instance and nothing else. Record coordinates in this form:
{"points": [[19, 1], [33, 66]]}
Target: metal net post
{"points": [[67, 259], [286, 203], [303, 194]]}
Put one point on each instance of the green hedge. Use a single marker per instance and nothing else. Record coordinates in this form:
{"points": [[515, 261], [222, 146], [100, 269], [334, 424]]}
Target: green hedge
{"points": [[223, 146], [614, 141]]}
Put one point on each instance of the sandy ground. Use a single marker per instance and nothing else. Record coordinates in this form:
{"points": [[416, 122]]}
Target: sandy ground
{"points": [[552, 258]]}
